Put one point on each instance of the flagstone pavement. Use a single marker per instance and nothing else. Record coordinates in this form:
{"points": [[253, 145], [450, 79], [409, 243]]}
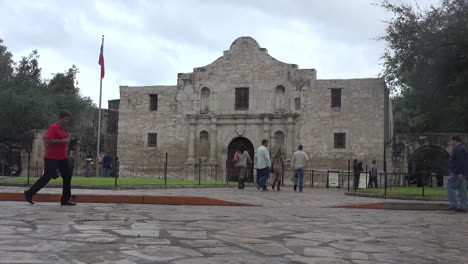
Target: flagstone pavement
{"points": [[282, 227]]}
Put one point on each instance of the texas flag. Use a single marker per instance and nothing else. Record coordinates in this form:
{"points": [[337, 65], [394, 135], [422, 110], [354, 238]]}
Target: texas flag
{"points": [[101, 60]]}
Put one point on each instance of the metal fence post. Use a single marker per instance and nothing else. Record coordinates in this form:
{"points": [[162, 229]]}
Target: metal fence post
{"points": [[115, 180], [328, 178], [199, 171], [313, 178], [349, 172], [366, 177], [29, 163], [165, 171], [422, 181], [385, 176], [227, 172]]}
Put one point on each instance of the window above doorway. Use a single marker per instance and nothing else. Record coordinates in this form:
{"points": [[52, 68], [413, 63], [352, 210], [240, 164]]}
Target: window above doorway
{"points": [[242, 99]]}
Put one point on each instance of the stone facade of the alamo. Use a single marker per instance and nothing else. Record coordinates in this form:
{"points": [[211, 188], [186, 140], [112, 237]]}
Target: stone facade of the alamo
{"points": [[246, 96]]}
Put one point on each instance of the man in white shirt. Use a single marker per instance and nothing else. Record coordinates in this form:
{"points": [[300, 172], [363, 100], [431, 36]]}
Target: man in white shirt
{"points": [[263, 164], [298, 163]]}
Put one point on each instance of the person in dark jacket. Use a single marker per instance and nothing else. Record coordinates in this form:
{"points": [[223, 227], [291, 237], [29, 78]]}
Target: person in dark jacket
{"points": [[373, 175], [106, 164], [357, 167], [457, 172]]}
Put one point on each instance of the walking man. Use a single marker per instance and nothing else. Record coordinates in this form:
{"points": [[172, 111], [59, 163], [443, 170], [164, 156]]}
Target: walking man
{"points": [[263, 164], [55, 158], [257, 171], [373, 175], [298, 163], [458, 169]]}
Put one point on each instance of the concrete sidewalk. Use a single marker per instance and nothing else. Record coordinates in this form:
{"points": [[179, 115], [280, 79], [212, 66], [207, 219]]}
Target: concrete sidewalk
{"points": [[284, 227]]}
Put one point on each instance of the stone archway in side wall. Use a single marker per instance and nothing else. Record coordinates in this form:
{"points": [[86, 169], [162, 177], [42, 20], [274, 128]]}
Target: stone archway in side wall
{"points": [[233, 146], [404, 146], [425, 162]]}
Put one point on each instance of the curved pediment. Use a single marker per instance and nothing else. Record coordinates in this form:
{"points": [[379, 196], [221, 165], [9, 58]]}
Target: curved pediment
{"points": [[245, 52], [245, 43]]}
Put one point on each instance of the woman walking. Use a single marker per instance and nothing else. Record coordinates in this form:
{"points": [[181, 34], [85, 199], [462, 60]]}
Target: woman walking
{"points": [[243, 158], [278, 166]]}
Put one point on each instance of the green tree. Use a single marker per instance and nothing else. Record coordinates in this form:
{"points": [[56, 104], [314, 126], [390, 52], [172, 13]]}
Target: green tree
{"points": [[6, 65], [426, 65], [27, 101], [67, 96]]}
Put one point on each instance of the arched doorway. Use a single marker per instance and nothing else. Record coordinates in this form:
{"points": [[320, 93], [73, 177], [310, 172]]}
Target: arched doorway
{"points": [[232, 148], [427, 162]]}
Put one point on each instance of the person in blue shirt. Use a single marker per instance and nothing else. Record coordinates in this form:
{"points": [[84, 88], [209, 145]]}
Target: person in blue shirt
{"points": [[457, 172], [106, 165], [263, 164]]}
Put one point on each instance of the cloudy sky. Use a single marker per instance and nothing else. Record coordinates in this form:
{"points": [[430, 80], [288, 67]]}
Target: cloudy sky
{"points": [[149, 42]]}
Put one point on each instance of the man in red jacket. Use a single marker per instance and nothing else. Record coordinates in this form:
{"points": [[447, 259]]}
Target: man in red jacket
{"points": [[55, 158]]}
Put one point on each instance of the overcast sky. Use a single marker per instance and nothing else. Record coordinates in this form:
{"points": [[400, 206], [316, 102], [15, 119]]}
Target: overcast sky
{"points": [[149, 42]]}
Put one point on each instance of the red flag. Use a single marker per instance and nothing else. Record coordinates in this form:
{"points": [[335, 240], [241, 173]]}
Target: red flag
{"points": [[101, 61]]}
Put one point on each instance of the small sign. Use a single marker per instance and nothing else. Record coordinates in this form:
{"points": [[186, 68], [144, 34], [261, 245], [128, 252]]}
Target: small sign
{"points": [[363, 180], [333, 179]]}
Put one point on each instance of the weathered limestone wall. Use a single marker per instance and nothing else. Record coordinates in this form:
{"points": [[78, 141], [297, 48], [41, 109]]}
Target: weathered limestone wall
{"points": [[136, 121], [289, 106], [361, 117]]}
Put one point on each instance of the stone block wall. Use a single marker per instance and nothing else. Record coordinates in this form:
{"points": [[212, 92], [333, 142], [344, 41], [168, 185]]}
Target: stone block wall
{"points": [[286, 104], [136, 121], [360, 117]]}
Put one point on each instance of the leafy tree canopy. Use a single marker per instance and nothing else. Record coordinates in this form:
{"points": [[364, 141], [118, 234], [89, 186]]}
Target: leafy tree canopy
{"points": [[27, 101], [426, 66]]}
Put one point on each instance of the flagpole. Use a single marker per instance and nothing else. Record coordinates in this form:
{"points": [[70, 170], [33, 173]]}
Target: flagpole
{"points": [[99, 117]]}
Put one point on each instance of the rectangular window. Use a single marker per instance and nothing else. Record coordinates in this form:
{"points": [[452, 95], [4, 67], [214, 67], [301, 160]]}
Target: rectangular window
{"points": [[242, 99], [297, 103], [153, 102], [336, 97], [152, 139], [340, 140]]}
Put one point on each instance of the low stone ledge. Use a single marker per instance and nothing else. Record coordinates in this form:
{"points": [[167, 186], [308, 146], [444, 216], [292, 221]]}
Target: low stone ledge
{"points": [[399, 206], [135, 199], [397, 197], [133, 187]]}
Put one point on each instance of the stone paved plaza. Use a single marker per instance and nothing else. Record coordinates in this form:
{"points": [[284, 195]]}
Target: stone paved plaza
{"points": [[283, 227]]}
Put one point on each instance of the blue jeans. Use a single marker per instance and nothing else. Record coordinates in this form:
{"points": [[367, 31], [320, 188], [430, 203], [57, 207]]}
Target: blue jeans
{"points": [[88, 170], [453, 183], [264, 175], [299, 175], [105, 172]]}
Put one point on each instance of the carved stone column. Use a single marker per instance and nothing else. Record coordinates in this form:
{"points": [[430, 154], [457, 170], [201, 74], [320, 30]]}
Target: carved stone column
{"points": [[290, 147], [192, 138], [266, 131], [213, 141]]}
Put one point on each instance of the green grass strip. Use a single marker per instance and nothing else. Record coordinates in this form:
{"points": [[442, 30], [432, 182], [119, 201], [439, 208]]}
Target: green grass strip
{"points": [[409, 191], [120, 181]]}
